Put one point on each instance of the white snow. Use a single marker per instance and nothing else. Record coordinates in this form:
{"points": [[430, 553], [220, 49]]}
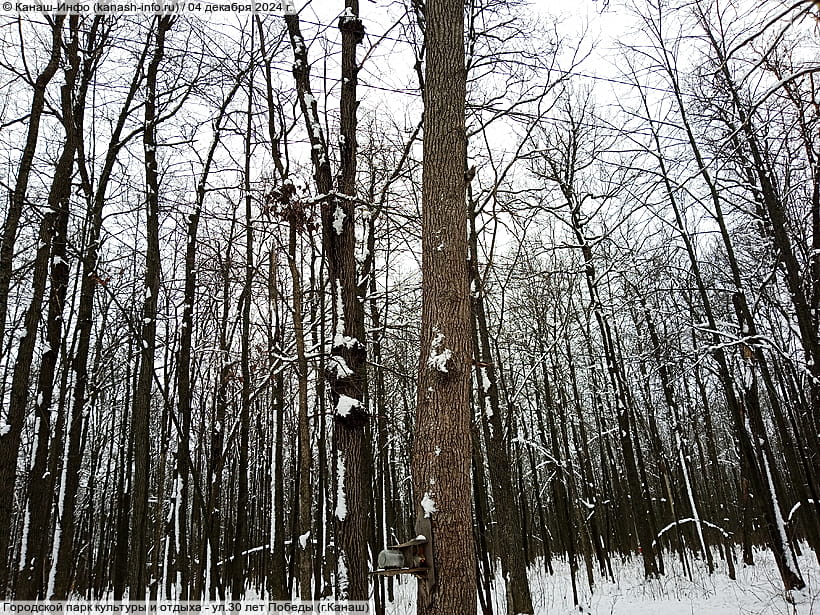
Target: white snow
{"points": [[691, 520], [485, 380], [4, 428], [791, 564], [346, 404], [438, 358], [338, 219], [346, 341], [207, 586], [757, 590], [55, 549], [341, 498], [428, 504], [303, 538], [177, 510], [24, 539], [340, 367]]}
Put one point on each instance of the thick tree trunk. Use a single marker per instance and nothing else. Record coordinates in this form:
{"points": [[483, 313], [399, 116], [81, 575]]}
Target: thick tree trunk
{"points": [[442, 448], [95, 197]]}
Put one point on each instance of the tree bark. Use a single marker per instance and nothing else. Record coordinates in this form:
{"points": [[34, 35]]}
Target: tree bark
{"points": [[10, 441], [140, 422], [442, 451], [41, 482]]}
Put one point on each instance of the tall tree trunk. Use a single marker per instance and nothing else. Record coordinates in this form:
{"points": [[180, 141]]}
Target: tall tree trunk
{"points": [[141, 412], [41, 482], [16, 204], [441, 440], [95, 197], [348, 386], [346, 370], [241, 536], [277, 588], [10, 440]]}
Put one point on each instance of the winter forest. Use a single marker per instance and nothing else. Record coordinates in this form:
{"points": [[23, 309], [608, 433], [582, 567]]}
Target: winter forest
{"points": [[533, 287]]}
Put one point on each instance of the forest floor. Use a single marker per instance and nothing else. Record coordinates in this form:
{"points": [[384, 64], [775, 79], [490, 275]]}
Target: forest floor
{"points": [[756, 591]]}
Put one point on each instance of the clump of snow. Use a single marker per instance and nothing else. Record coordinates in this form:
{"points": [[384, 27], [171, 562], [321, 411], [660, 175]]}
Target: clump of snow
{"points": [[338, 219], [428, 504], [341, 498], [439, 357], [303, 539], [339, 367], [345, 341], [346, 404]]}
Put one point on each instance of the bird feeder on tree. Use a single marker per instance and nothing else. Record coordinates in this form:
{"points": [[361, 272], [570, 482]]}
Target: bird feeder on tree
{"points": [[411, 557]]}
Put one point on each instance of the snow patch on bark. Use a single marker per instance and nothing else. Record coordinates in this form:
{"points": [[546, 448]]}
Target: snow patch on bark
{"points": [[346, 404], [344, 341], [341, 498], [439, 356], [338, 219], [428, 504], [339, 367]]}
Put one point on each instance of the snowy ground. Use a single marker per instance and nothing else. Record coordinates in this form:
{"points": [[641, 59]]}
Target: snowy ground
{"points": [[755, 592]]}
